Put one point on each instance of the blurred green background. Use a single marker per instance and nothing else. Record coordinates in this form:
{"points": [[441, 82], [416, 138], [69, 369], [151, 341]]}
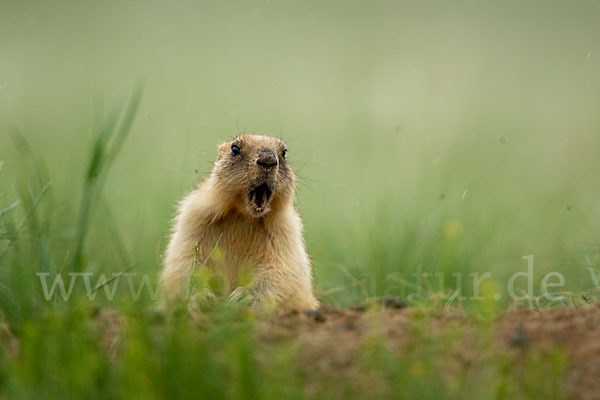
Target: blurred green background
{"points": [[451, 136]]}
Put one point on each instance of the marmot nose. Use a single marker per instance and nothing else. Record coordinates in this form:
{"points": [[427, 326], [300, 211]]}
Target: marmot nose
{"points": [[267, 159]]}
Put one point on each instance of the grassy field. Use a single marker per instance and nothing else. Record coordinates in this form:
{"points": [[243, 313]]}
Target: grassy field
{"points": [[432, 140]]}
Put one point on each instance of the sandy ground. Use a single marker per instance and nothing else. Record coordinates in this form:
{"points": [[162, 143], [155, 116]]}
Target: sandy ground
{"points": [[331, 338]]}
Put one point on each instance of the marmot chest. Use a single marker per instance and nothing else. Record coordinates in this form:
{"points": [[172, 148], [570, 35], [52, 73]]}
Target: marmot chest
{"points": [[243, 240]]}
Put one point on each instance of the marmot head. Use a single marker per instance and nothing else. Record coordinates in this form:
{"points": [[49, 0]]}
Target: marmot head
{"points": [[254, 173]]}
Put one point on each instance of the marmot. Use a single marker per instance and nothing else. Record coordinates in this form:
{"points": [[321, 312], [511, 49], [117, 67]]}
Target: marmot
{"points": [[245, 207]]}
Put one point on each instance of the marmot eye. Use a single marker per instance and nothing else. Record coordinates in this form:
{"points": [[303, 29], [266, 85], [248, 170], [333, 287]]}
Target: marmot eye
{"points": [[284, 153], [235, 150]]}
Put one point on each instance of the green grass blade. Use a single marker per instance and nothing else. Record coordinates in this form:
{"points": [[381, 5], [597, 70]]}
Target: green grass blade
{"points": [[10, 208], [34, 206], [104, 151]]}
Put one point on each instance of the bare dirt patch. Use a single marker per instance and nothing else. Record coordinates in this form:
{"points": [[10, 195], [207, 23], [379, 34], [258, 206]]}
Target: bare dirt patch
{"points": [[332, 338], [576, 330], [332, 342]]}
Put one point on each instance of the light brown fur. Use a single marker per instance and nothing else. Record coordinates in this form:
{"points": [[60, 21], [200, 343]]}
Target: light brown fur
{"points": [[230, 208]]}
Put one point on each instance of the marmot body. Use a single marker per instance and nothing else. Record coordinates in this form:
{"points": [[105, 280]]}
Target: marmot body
{"points": [[246, 208]]}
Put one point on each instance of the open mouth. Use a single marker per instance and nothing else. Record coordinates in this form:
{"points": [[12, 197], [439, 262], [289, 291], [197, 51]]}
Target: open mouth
{"points": [[260, 196]]}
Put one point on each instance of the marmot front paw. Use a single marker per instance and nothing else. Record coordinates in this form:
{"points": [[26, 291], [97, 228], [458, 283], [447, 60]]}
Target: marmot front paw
{"points": [[241, 295]]}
